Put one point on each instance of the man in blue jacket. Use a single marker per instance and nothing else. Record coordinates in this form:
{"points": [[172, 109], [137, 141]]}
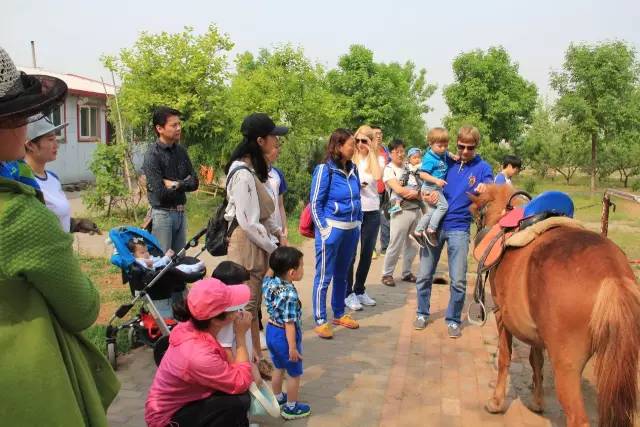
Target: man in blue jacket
{"points": [[469, 174]]}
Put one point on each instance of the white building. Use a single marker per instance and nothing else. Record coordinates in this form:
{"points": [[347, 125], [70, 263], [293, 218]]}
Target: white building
{"points": [[85, 109]]}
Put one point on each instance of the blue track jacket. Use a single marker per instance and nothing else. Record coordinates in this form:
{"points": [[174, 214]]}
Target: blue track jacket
{"points": [[462, 179], [335, 195]]}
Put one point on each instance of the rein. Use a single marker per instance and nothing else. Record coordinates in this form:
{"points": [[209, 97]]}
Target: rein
{"points": [[479, 289]]}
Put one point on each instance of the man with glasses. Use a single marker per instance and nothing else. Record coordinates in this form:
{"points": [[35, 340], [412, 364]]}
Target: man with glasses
{"points": [[467, 175]]}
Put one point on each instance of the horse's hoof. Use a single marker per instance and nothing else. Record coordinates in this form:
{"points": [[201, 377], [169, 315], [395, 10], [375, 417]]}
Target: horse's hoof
{"points": [[493, 407]]}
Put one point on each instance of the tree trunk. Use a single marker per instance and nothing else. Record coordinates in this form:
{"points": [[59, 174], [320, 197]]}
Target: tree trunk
{"points": [[594, 141]]}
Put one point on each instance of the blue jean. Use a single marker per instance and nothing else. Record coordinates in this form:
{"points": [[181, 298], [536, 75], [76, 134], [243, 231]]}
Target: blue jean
{"points": [[457, 250], [334, 254], [431, 219], [170, 228], [385, 232], [368, 236]]}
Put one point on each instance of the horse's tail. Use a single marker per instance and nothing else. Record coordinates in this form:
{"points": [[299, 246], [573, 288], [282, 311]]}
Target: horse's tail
{"points": [[615, 334]]}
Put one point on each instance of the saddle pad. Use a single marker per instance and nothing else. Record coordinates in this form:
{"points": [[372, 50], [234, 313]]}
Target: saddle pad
{"points": [[526, 236], [494, 248], [512, 219]]}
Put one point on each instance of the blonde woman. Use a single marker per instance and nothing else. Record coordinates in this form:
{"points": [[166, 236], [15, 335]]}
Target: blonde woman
{"points": [[370, 171]]}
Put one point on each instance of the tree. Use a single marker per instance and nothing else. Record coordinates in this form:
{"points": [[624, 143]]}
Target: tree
{"points": [[391, 96], [489, 89], [285, 84], [182, 70], [596, 88]]}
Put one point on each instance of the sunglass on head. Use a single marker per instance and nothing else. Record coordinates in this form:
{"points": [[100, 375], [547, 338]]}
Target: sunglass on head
{"points": [[362, 140], [462, 147]]}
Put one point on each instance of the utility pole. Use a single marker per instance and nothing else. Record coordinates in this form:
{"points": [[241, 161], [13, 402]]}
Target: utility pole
{"points": [[33, 54]]}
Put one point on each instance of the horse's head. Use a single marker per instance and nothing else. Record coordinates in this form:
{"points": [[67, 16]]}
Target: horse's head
{"points": [[489, 206]]}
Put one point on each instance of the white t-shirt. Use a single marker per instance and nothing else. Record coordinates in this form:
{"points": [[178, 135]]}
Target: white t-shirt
{"points": [[55, 198], [227, 339], [369, 197]]}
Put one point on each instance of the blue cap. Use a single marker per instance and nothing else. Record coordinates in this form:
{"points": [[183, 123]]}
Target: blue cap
{"points": [[413, 150]]}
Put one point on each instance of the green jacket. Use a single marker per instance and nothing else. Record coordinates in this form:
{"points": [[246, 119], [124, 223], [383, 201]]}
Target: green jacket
{"points": [[50, 374]]}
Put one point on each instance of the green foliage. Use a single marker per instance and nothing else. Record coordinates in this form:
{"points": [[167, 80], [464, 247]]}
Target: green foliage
{"points": [[107, 165], [489, 93], [635, 185], [392, 96], [182, 70], [530, 184], [286, 85], [598, 87]]}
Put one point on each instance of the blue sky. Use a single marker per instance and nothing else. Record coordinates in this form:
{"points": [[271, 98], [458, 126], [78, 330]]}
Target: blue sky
{"points": [[71, 35]]}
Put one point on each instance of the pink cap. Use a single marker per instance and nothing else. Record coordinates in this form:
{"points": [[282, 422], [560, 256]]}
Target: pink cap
{"points": [[208, 298]]}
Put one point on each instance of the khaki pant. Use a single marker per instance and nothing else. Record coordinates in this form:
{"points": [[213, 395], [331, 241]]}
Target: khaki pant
{"points": [[401, 224]]}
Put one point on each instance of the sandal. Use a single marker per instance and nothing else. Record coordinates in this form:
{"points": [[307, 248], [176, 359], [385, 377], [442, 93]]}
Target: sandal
{"points": [[388, 281], [410, 278]]}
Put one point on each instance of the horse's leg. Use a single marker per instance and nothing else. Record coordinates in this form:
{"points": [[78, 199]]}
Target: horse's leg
{"points": [[495, 404], [568, 362], [536, 358]]}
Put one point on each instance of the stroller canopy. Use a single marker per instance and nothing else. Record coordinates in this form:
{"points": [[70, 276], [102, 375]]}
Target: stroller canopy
{"points": [[120, 236]]}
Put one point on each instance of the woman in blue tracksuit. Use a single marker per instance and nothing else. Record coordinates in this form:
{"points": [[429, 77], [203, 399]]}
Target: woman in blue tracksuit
{"points": [[337, 215]]}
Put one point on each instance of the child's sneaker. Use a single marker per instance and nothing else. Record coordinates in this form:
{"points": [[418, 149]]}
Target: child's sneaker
{"points": [[418, 237], [431, 237], [299, 410], [347, 321], [282, 400], [395, 208]]}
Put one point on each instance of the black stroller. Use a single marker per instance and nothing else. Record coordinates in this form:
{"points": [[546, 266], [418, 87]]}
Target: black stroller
{"points": [[148, 327]]}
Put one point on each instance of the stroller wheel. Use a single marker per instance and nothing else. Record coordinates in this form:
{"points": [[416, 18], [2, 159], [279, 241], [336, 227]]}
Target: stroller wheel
{"points": [[132, 335], [160, 348], [112, 355]]}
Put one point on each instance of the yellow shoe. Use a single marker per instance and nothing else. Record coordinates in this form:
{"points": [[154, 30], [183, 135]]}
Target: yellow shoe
{"points": [[346, 321], [324, 331], [374, 255]]}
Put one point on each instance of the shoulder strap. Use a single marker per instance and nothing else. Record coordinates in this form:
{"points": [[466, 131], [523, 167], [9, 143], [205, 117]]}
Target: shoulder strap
{"points": [[233, 172]]}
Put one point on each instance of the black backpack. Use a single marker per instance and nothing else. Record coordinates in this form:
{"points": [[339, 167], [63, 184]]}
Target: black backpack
{"points": [[219, 229]]}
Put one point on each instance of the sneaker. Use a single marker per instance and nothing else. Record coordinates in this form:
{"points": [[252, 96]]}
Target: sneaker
{"points": [[365, 299], [324, 331], [347, 321], [263, 341], [282, 400], [393, 209], [299, 410], [418, 238], [374, 255], [388, 281], [420, 323], [431, 237], [353, 302], [383, 251], [454, 330]]}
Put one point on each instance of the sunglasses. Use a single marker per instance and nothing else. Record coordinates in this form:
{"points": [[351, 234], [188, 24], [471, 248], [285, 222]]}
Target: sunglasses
{"points": [[466, 147], [364, 141]]}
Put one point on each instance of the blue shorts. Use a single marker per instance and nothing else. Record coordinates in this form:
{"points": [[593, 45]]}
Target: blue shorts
{"points": [[279, 350]]}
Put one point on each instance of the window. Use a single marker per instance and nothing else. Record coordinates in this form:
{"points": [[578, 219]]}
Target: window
{"points": [[89, 123], [57, 118]]}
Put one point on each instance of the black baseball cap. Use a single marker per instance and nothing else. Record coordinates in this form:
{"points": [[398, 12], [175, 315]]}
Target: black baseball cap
{"points": [[260, 124]]}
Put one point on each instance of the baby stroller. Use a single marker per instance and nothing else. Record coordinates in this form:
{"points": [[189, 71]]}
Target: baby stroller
{"points": [[148, 327]]}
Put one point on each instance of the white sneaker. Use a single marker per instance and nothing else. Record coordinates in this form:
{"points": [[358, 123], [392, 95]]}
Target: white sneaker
{"points": [[365, 299], [352, 302], [263, 341]]}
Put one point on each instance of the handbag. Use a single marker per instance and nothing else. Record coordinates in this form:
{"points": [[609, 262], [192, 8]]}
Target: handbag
{"points": [[219, 229], [263, 402], [305, 225]]}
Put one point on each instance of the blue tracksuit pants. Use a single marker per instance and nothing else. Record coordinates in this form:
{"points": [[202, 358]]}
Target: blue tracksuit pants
{"points": [[334, 255]]}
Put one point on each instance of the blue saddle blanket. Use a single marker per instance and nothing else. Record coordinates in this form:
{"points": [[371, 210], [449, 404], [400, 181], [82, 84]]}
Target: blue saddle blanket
{"points": [[556, 202]]}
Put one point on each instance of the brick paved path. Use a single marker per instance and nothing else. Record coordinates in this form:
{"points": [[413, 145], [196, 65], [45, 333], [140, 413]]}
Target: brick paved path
{"points": [[386, 373]]}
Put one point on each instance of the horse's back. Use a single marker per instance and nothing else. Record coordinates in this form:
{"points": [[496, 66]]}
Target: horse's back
{"points": [[551, 284]]}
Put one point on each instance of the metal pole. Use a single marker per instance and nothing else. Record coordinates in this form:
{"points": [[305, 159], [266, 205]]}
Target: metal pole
{"points": [[33, 53]]}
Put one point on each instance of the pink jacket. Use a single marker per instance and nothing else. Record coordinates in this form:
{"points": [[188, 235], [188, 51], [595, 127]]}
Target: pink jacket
{"points": [[194, 366]]}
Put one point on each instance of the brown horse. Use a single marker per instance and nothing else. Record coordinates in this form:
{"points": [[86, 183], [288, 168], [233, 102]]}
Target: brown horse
{"points": [[572, 292]]}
